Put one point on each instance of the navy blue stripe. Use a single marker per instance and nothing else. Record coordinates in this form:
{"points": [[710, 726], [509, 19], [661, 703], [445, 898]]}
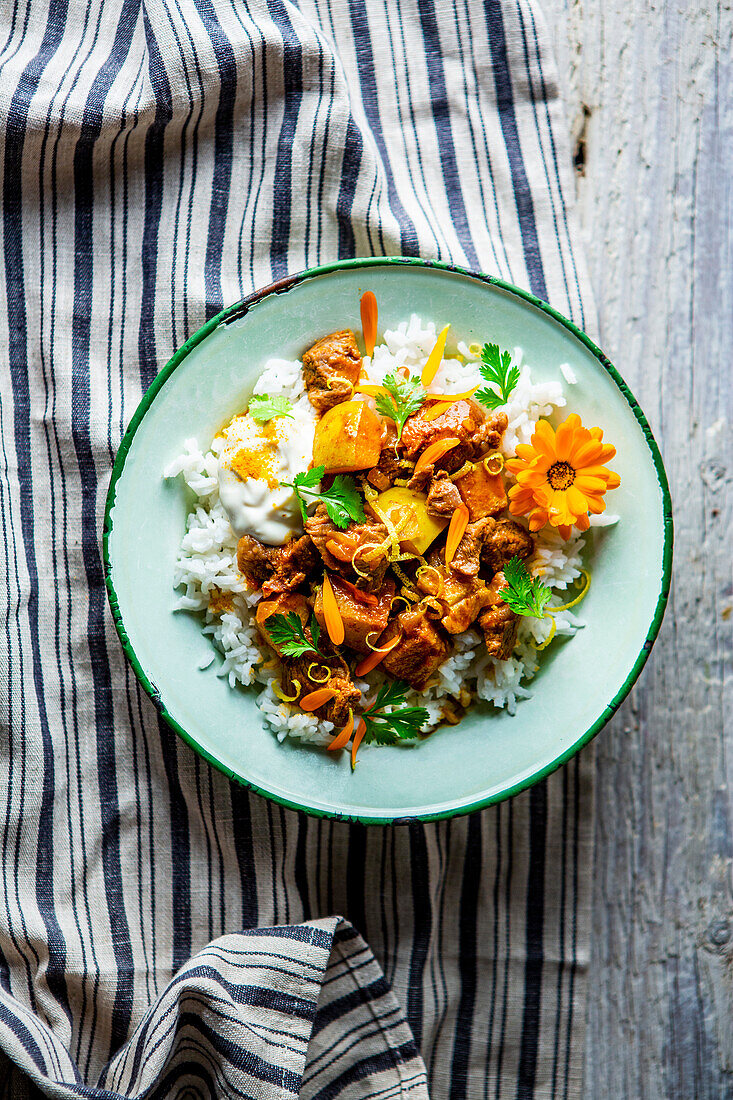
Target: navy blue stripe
{"points": [[300, 870], [355, 871], [18, 359], [154, 161], [349, 179], [360, 1071], [509, 868], [508, 120], [545, 96], [80, 339], [441, 118], [534, 935], [573, 921], [562, 921], [340, 1006], [293, 82], [244, 848], [180, 846], [368, 80], [422, 921], [467, 960], [223, 149]]}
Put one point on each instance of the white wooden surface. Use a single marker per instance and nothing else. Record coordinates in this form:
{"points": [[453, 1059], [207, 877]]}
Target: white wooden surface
{"points": [[649, 87]]}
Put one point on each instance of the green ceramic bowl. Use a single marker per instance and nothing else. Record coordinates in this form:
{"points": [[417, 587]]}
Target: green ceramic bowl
{"points": [[490, 755]]}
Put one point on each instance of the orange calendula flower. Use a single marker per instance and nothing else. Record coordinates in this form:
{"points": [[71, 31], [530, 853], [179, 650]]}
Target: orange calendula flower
{"points": [[561, 477]]}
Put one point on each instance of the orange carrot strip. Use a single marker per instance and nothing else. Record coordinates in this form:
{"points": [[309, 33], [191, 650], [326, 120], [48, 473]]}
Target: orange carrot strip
{"points": [[430, 369], [316, 699], [342, 737], [451, 396], [440, 406], [434, 452], [375, 657], [368, 304], [358, 737], [437, 410], [367, 598], [331, 613], [368, 389], [456, 531], [338, 551]]}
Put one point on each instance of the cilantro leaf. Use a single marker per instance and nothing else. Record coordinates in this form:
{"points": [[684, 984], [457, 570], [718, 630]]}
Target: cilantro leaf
{"points": [[288, 634], [343, 502], [263, 407], [496, 369], [389, 727], [524, 594], [342, 499], [403, 398]]}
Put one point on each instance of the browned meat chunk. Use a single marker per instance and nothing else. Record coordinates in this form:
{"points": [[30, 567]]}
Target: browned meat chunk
{"points": [[464, 420], [502, 540], [498, 622], [383, 475], [282, 605], [421, 651], [362, 612], [331, 369], [337, 709], [467, 558], [443, 497], [482, 492], [461, 597], [337, 547], [303, 669], [276, 569]]}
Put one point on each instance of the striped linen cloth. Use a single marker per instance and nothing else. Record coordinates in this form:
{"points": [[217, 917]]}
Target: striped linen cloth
{"points": [[162, 932]]}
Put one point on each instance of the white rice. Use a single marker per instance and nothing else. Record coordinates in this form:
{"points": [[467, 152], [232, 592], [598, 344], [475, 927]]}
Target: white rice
{"points": [[209, 581]]}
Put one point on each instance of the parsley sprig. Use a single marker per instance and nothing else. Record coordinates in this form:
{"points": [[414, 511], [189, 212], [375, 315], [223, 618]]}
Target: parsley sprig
{"points": [[403, 398], [524, 594], [497, 370], [386, 728], [342, 499], [263, 407], [288, 633]]}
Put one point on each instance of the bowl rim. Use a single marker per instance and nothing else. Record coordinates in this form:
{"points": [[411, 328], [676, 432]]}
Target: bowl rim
{"points": [[240, 309]]}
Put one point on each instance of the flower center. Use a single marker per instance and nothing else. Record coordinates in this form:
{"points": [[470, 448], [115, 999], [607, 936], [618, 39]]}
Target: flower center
{"points": [[561, 475]]}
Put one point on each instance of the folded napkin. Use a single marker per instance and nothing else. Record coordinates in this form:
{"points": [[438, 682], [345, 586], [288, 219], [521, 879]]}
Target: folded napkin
{"points": [[163, 932]]}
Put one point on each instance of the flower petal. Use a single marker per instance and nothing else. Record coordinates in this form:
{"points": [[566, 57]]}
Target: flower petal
{"points": [[576, 501], [525, 452], [564, 437], [590, 484], [587, 454], [543, 439]]}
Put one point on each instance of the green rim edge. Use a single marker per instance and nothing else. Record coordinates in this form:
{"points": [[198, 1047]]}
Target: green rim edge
{"points": [[239, 309]]}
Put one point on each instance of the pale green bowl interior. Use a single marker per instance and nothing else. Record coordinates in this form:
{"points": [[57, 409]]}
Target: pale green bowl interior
{"points": [[490, 754]]}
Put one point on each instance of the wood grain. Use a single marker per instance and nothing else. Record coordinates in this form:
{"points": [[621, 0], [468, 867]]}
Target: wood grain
{"points": [[649, 87]]}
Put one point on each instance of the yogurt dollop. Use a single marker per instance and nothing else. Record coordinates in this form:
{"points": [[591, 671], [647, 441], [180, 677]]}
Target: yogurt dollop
{"points": [[253, 459]]}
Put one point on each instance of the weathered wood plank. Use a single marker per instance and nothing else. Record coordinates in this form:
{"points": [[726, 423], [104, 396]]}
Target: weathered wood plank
{"points": [[650, 91]]}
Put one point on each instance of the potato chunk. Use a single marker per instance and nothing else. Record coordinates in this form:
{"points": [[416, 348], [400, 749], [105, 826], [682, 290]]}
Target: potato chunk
{"points": [[419, 529], [348, 437]]}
